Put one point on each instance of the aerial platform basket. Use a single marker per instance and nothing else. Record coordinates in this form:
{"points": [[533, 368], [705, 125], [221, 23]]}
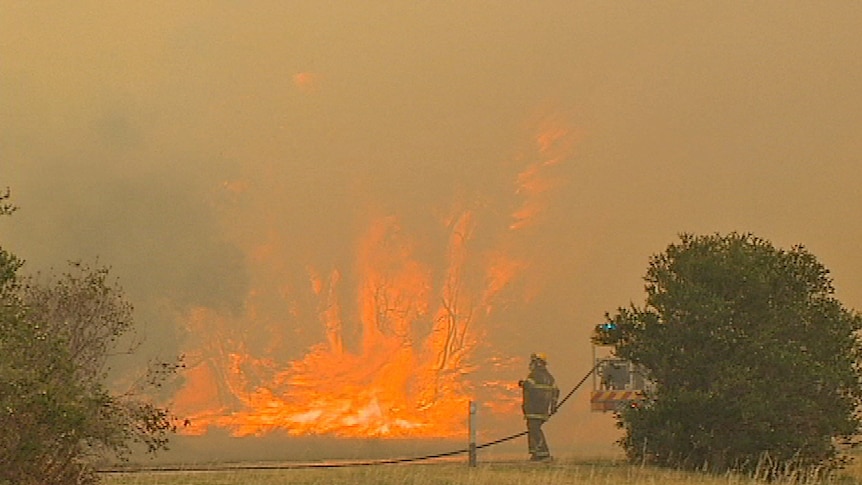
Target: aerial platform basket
{"points": [[614, 400], [617, 384]]}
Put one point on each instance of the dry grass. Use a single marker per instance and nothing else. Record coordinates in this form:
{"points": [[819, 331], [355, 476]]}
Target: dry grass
{"points": [[500, 473]]}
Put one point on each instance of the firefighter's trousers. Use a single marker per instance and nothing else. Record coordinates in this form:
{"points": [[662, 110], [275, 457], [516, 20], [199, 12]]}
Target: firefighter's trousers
{"points": [[536, 439]]}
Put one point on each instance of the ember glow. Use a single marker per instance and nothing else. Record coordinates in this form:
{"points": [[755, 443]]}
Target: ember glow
{"points": [[411, 363], [305, 81]]}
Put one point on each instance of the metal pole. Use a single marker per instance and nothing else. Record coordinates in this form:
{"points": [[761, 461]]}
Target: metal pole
{"points": [[471, 423]]}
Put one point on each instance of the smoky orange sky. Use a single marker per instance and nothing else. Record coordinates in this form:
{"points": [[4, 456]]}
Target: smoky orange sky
{"points": [[206, 150]]}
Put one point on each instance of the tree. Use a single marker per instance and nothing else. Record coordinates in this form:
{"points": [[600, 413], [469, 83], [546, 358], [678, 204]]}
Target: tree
{"points": [[752, 355], [6, 208], [56, 414]]}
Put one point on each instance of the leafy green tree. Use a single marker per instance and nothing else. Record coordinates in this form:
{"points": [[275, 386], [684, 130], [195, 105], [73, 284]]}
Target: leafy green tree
{"points": [[56, 415], [752, 356]]}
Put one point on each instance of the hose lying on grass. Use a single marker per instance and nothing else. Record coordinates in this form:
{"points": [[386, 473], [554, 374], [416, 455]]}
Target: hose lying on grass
{"points": [[297, 466]]}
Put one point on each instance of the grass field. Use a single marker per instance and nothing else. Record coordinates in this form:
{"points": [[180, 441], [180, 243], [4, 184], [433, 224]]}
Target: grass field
{"points": [[599, 472]]}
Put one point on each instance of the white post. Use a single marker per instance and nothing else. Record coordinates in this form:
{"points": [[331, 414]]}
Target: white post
{"points": [[471, 424]]}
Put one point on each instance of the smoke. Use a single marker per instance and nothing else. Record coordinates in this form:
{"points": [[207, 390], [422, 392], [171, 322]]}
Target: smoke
{"points": [[177, 143]]}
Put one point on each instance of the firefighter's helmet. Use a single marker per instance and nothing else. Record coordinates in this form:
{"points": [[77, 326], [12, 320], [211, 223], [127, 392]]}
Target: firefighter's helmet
{"points": [[539, 357]]}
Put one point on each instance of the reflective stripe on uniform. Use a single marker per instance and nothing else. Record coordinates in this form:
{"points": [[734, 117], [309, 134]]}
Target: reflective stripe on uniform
{"points": [[543, 386], [536, 416]]}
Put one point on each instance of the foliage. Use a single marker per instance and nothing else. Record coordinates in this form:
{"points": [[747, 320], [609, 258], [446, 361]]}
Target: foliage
{"points": [[752, 355], [56, 415], [6, 208]]}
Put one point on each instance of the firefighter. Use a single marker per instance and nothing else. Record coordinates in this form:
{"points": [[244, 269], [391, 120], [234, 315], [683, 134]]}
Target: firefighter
{"points": [[540, 396]]}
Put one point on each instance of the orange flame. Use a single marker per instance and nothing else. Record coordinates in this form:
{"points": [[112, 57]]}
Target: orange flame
{"points": [[305, 81], [412, 371], [553, 144]]}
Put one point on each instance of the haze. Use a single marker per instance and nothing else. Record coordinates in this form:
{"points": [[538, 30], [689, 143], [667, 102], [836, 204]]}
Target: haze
{"points": [[169, 140]]}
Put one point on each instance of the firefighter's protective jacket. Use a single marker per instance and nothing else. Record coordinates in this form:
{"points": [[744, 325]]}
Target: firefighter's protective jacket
{"points": [[540, 394]]}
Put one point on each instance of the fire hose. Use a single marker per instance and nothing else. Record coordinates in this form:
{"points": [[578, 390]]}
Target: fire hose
{"points": [[297, 466]]}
